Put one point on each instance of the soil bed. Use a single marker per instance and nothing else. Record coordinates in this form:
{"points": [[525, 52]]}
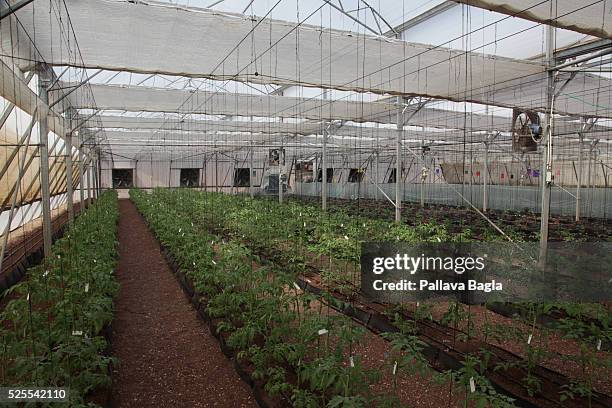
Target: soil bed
{"points": [[167, 356]]}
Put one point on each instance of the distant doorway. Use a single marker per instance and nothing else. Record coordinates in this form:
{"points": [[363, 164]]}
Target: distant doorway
{"points": [[123, 178], [241, 177], [190, 178]]}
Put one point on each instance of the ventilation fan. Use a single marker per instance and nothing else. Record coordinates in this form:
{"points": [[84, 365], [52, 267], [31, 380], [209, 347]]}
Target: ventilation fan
{"points": [[526, 131]]}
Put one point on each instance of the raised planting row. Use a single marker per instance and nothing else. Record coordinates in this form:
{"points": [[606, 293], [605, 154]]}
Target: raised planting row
{"points": [[52, 328], [295, 346], [300, 238], [521, 226], [589, 322]]}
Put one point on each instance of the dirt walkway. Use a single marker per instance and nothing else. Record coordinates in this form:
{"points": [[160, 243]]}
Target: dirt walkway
{"points": [[167, 357]]}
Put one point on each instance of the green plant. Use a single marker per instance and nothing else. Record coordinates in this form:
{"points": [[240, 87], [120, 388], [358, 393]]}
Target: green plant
{"points": [[51, 329]]}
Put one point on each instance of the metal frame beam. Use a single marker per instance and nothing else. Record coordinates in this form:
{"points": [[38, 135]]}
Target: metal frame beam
{"points": [[9, 9], [43, 82]]}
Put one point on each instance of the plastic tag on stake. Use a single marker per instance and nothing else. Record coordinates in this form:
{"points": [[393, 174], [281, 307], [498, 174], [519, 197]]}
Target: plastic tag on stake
{"points": [[323, 331], [395, 368], [296, 286], [77, 333], [86, 287], [345, 237], [529, 339], [213, 261], [472, 385], [599, 345], [352, 362]]}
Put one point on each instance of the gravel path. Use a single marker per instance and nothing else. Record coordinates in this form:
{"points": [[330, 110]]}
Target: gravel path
{"points": [[167, 356]]}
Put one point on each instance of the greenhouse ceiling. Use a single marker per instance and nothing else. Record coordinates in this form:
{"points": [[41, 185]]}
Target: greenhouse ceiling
{"points": [[289, 62]]}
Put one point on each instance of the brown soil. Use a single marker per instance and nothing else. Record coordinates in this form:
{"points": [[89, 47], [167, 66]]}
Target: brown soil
{"points": [[167, 356]]}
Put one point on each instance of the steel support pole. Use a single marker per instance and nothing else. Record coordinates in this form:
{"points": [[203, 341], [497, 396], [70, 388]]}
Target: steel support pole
{"points": [[99, 173], [324, 169], [217, 172], [281, 163], [546, 175], [423, 176], [592, 180], [43, 82], [376, 161], [485, 179], [579, 177], [90, 178], [81, 178], [376, 178], [233, 179], [398, 160], [251, 178], [69, 191], [589, 197]]}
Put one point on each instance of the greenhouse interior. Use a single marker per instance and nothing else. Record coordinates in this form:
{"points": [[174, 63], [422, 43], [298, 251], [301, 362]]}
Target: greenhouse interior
{"points": [[292, 203]]}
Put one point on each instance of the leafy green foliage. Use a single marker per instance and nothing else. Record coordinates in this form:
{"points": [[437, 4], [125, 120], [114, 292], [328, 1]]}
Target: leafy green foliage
{"points": [[51, 328]]}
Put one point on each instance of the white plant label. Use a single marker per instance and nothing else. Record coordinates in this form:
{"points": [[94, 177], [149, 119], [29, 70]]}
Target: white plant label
{"points": [[77, 333], [28, 297], [296, 286], [352, 362], [345, 237], [304, 224], [46, 273], [472, 385], [599, 345], [395, 368], [86, 287], [180, 229], [529, 339], [95, 261], [322, 332], [213, 261]]}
